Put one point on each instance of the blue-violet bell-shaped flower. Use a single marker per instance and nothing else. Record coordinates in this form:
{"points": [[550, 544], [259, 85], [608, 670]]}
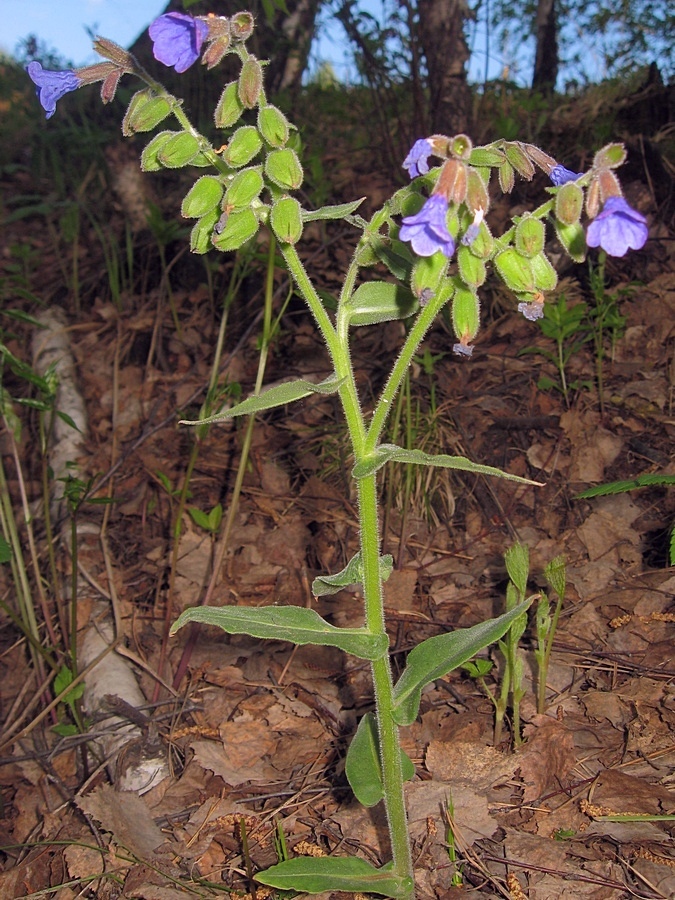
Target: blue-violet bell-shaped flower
{"points": [[559, 175], [51, 86], [178, 39], [416, 162], [427, 230], [617, 228]]}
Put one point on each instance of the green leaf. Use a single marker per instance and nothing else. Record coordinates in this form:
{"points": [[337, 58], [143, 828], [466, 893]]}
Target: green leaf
{"points": [[439, 655], [338, 211], [517, 559], [351, 574], [287, 623], [391, 453], [620, 487], [313, 875], [279, 395], [5, 550], [363, 765], [380, 301], [555, 574]]}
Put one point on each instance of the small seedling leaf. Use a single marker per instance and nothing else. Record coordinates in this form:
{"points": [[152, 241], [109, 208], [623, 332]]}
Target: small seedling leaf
{"points": [[279, 395], [391, 453], [517, 559], [287, 623], [554, 573], [314, 875], [439, 655]]}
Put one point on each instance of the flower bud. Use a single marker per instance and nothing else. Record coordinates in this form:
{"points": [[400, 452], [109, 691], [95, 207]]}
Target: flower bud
{"points": [[283, 168], [593, 199], [229, 107], [515, 271], [506, 177], [203, 197], [286, 220], [452, 181], [216, 50], [179, 150], [245, 144], [545, 162], [273, 125], [250, 82], [460, 147], [471, 268], [608, 184], [465, 314], [109, 85], [477, 195], [244, 188], [610, 157], [112, 51], [530, 236], [516, 155], [569, 202], [145, 111], [240, 227], [242, 24]]}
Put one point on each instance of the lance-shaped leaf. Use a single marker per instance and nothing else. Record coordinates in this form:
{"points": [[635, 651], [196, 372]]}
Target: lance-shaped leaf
{"points": [[439, 655], [287, 623], [363, 766], [391, 453], [279, 395], [351, 574], [381, 301], [339, 211], [313, 875]]}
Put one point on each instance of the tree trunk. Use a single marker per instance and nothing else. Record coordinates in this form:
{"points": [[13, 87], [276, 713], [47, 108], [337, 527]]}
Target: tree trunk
{"points": [[441, 31], [546, 57], [285, 42]]}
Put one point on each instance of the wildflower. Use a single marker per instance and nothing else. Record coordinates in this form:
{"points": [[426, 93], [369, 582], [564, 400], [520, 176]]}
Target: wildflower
{"points": [[617, 228], [559, 175], [178, 39], [51, 86], [462, 349], [532, 311], [416, 162], [471, 232], [427, 231]]}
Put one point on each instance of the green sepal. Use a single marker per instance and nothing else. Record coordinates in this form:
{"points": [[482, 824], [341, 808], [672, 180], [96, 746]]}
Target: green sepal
{"points": [[486, 156], [244, 188], [391, 453], [200, 236], [286, 220], [483, 244], [506, 177], [569, 203], [435, 657], [179, 150], [296, 624], [145, 111], [339, 211], [351, 574], [202, 198], [573, 239], [471, 267], [229, 108], [519, 159], [283, 168], [314, 875], [516, 271], [241, 226], [250, 82], [273, 125], [530, 236], [243, 146], [279, 395], [465, 312], [150, 161], [363, 765], [380, 301], [427, 274], [545, 276], [610, 157]]}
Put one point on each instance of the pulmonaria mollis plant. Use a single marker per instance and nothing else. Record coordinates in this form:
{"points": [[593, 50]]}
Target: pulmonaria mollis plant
{"points": [[434, 240]]}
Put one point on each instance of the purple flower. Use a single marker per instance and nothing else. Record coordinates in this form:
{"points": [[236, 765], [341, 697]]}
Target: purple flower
{"points": [[471, 232], [559, 175], [51, 86], [427, 231], [532, 311], [416, 162], [618, 228], [178, 39], [461, 349]]}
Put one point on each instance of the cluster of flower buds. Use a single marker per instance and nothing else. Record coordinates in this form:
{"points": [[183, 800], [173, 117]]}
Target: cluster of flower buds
{"points": [[452, 220]]}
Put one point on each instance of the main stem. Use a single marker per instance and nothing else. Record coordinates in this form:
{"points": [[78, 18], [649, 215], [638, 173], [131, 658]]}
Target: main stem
{"points": [[390, 753]]}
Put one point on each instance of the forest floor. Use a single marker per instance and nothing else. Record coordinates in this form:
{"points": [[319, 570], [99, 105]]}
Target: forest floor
{"points": [[256, 733]]}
